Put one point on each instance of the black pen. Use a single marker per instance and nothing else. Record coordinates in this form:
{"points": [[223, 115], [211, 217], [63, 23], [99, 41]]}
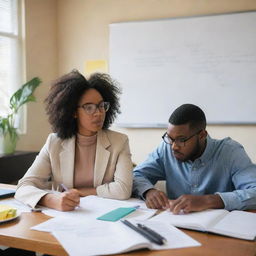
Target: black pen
{"points": [[154, 233], [144, 233], [36, 210]]}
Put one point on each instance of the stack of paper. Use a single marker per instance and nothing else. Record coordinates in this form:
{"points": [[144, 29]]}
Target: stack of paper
{"points": [[87, 237], [92, 207], [80, 233]]}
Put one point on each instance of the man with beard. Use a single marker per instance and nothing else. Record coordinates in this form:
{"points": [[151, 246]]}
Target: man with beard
{"points": [[200, 172]]}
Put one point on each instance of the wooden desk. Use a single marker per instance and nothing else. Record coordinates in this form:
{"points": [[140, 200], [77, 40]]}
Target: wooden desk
{"points": [[18, 234]]}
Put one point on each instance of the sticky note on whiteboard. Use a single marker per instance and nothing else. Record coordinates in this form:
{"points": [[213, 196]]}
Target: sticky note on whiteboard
{"points": [[93, 66]]}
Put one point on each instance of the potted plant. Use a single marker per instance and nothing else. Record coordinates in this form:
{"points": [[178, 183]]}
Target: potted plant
{"points": [[8, 128]]}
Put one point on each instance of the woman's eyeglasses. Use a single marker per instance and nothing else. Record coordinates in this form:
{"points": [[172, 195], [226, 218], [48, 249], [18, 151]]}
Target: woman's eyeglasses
{"points": [[91, 108]]}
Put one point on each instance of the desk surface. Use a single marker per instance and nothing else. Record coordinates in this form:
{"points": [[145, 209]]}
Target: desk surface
{"points": [[17, 234]]}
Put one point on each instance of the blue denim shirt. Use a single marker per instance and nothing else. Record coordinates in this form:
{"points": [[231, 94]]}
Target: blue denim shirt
{"points": [[224, 168]]}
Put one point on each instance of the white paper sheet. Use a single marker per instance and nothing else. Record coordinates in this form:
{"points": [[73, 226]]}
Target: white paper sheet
{"points": [[103, 238], [92, 207], [238, 224], [195, 220]]}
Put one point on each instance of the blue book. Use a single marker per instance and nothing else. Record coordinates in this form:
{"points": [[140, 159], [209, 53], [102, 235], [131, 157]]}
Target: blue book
{"points": [[4, 193], [117, 214]]}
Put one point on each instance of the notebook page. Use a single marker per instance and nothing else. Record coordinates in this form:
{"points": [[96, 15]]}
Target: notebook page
{"points": [[195, 220], [175, 237], [237, 224], [101, 238]]}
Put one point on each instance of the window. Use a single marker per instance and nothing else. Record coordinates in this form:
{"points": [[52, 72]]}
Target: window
{"points": [[10, 51]]}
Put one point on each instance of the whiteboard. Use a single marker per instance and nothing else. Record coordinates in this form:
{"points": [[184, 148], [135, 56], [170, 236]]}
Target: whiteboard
{"points": [[209, 61]]}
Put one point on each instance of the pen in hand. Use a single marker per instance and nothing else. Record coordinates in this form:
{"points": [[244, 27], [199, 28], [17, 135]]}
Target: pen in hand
{"points": [[66, 189]]}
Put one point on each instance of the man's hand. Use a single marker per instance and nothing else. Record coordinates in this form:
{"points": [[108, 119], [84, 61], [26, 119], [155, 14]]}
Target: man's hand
{"points": [[194, 203], [156, 199], [66, 201]]}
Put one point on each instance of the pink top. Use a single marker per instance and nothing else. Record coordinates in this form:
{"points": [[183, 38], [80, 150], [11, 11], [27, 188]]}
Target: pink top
{"points": [[84, 160]]}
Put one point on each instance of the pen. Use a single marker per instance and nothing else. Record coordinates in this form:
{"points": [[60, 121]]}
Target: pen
{"points": [[64, 187], [144, 233], [36, 210], [152, 232]]}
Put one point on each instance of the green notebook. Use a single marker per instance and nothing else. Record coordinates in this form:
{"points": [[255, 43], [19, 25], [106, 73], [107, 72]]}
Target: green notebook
{"points": [[117, 214]]}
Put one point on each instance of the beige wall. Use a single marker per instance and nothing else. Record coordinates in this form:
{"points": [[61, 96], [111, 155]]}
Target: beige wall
{"points": [[41, 60], [81, 30]]}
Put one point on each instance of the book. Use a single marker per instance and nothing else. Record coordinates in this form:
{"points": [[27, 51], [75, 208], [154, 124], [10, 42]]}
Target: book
{"points": [[4, 193], [238, 224], [106, 237], [117, 214]]}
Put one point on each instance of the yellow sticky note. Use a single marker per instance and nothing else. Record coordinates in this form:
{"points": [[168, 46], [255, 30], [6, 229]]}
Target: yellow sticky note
{"points": [[93, 66]]}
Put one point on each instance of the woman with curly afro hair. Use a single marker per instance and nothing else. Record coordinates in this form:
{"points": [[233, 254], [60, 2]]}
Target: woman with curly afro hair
{"points": [[82, 157]]}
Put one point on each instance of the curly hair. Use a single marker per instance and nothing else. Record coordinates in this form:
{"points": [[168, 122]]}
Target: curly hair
{"points": [[65, 93]]}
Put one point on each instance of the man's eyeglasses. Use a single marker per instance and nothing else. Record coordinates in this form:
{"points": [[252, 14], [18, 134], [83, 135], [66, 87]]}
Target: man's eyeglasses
{"points": [[180, 142], [91, 108]]}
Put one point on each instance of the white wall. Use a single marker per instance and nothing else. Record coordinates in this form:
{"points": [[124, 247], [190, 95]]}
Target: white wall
{"points": [[83, 35], [64, 34]]}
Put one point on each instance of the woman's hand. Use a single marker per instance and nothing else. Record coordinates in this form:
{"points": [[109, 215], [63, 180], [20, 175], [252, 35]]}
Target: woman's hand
{"points": [[87, 191], [66, 201]]}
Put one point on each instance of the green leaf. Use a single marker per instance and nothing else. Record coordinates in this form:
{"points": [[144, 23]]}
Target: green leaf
{"points": [[4, 124], [20, 97], [24, 94]]}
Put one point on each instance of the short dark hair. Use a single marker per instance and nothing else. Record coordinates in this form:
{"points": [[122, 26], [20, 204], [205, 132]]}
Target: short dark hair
{"points": [[188, 114], [65, 93]]}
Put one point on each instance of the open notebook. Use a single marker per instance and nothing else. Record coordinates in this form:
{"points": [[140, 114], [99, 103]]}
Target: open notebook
{"points": [[239, 224], [104, 238]]}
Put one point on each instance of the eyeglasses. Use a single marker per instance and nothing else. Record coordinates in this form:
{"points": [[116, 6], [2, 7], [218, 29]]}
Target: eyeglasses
{"points": [[91, 108], [180, 142]]}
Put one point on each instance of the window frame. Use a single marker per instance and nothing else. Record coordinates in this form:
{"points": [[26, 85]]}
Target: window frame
{"points": [[17, 67]]}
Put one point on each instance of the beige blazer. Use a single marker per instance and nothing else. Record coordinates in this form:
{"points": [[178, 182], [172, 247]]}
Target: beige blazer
{"points": [[55, 165]]}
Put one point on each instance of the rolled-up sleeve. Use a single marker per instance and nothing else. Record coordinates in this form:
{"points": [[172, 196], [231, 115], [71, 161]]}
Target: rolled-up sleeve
{"points": [[148, 173], [243, 174]]}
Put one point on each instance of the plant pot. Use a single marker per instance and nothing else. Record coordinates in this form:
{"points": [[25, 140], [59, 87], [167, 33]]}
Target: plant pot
{"points": [[7, 144]]}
